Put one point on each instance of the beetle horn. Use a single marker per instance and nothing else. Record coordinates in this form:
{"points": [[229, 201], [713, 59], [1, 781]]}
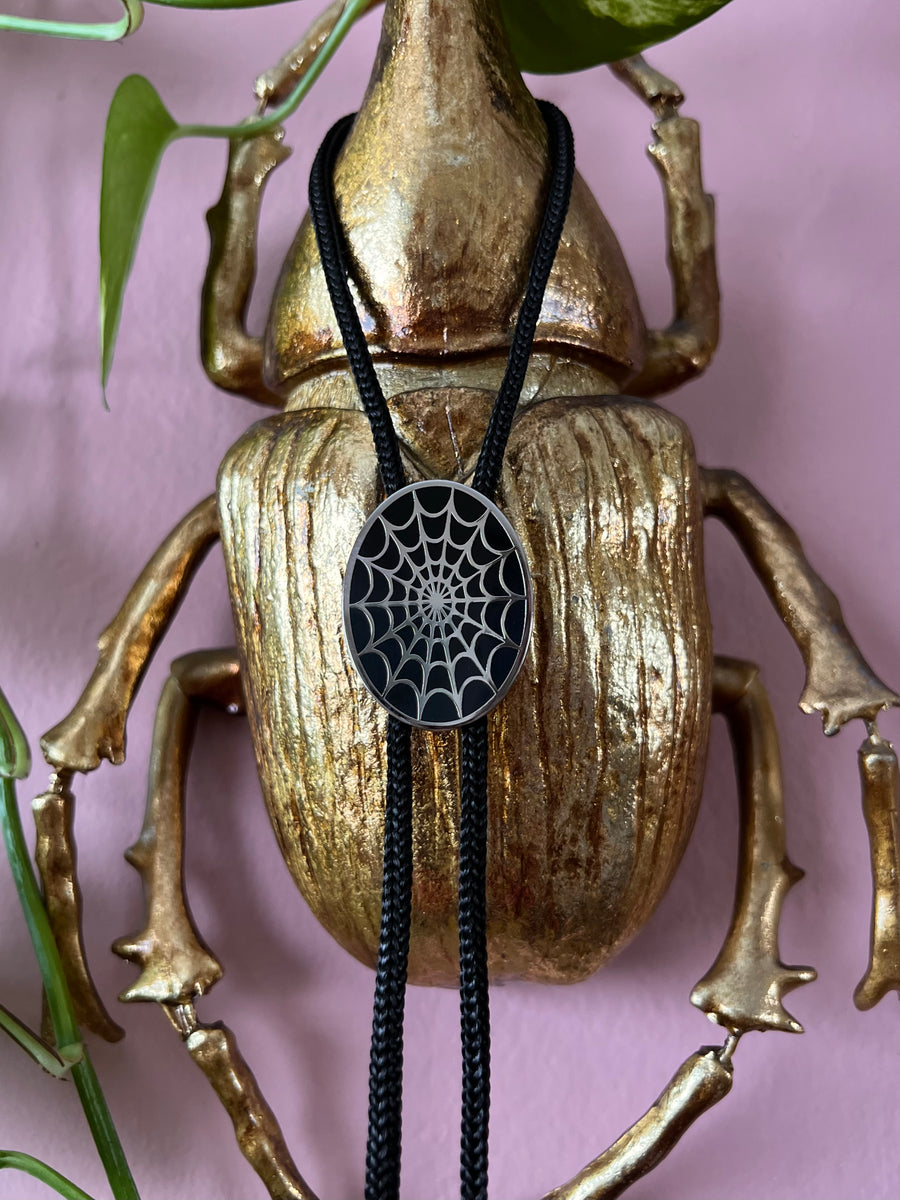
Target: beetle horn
{"points": [[441, 265]]}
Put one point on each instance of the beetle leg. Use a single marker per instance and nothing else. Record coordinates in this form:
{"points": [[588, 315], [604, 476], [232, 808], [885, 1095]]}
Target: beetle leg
{"points": [[275, 85], [215, 1051], [54, 854], [744, 988], [232, 358], [176, 965], [699, 1083], [684, 348], [880, 795], [95, 729], [840, 684], [662, 94]]}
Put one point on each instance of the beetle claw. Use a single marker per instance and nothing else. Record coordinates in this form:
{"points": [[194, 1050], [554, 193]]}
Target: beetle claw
{"points": [[175, 969], [846, 696], [746, 995], [659, 92], [84, 738]]}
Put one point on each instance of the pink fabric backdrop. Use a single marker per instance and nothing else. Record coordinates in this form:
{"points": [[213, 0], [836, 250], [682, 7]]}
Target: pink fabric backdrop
{"points": [[798, 104]]}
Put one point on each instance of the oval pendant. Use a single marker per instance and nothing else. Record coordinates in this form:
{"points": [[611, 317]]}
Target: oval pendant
{"points": [[438, 604]]}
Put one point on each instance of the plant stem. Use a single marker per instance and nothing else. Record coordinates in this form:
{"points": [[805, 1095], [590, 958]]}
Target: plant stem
{"points": [[216, 4], [353, 10], [14, 762], [103, 1131], [112, 31], [33, 1166]]}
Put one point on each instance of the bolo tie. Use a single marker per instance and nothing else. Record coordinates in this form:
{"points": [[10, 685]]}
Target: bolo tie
{"points": [[437, 609]]}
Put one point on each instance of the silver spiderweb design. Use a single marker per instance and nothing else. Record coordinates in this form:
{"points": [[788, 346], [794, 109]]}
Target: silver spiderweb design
{"points": [[437, 604]]}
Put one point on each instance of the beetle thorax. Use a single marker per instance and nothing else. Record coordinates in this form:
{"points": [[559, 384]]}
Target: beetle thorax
{"points": [[437, 189]]}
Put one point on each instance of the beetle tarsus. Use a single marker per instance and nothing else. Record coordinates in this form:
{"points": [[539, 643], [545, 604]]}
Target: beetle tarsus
{"points": [[215, 1051], [55, 858], [699, 1083], [662, 94], [880, 795]]}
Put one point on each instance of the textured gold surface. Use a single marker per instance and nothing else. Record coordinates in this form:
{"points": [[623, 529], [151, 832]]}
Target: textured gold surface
{"points": [[700, 1082], [441, 264], [547, 376], [54, 854], [840, 684], [232, 357], [176, 964], [95, 727], [662, 94], [880, 796], [684, 349], [215, 1051], [598, 751], [744, 988], [95, 730], [275, 85]]}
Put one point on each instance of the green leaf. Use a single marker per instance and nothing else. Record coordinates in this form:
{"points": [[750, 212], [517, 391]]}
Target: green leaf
{"points": [[555, 36], [138, 129], [15, 757]]}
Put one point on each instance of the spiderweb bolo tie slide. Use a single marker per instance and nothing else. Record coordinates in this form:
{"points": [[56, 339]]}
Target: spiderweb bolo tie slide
{"points": [[437, 617], [437, 604]]}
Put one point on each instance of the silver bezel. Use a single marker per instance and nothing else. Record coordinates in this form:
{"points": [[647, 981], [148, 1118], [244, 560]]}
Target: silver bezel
{"points": [[519, 550]]}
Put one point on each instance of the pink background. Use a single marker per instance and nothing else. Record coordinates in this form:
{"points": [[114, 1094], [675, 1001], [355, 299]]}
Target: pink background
{"points": [[798, 104]]}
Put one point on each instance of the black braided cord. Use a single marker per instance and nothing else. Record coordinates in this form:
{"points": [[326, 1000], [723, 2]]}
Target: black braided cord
{"points": [[336, 266], [386, 1058], [561, 153], [474, 1007], [386, 1054]]}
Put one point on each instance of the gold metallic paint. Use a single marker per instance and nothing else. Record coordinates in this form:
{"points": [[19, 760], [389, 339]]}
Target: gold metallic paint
{"points": [[880, 797], [597, 754]]}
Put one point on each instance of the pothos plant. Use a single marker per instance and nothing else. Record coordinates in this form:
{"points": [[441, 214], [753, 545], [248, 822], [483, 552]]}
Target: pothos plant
{"points": [[548, 36]]}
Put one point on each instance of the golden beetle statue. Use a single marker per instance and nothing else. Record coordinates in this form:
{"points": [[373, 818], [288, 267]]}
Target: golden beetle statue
{"points": [[598, 752]]}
